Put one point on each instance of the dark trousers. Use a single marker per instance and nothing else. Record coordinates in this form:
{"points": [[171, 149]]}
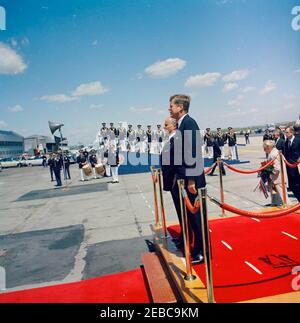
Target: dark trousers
{"points": [[67, 174], [51, 173], [57, 176], [194, 222], [294, 185], [247, 141], [214, 168]]}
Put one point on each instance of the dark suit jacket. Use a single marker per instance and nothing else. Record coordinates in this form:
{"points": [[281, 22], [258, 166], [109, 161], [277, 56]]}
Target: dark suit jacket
{"points": [[292, 154], [167, 165], [190, 145], [280, 143]]}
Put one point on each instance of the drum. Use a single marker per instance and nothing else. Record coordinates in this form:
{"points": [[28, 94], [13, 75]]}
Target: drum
{"points": [[100, 169], [87, 169]]}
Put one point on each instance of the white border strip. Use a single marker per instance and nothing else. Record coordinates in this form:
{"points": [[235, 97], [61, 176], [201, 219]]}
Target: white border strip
{"points": [[253, 267], [289, 235], [226, 245]]}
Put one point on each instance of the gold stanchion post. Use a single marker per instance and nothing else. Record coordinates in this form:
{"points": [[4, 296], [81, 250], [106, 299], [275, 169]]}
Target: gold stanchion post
{"points": [[219, 161], [162, 207], [185, 231], [206, 243], [154, 180], [284, 197]]}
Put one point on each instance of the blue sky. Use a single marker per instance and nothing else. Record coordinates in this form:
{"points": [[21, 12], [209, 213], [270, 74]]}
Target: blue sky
{"points": [[87, 61]]}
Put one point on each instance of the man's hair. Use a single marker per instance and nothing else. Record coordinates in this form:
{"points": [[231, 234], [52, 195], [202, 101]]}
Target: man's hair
{"points": [[269, 143], [292, 130], [172, 120], [183, 100]]}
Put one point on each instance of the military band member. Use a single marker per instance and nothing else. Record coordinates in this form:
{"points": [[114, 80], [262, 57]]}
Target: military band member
{"points": [[159, 136], [112, 134], [67, 163], [149, 134], [140, 138], [57, 165], [231, 137], [104, 134], [221, 140], [50, 164], [81, 161], [122, 136], [112, 155], [208, 140], [131, 138], [93, 162]]}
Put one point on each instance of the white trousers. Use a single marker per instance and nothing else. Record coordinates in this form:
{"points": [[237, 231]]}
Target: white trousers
{"points": [[132, 146], [107, 170], [141, 147], [210, 152], [123, 146], [233, 152], [115, 173], [82, 175], [95, 173]]}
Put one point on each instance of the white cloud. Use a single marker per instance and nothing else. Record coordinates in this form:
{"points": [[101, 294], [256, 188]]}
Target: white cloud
{"points": [[269, 87], [10, 61], [248, 89], [236, 102], [230, 87], [25, 41], [16, 108], [166, 68], [58, 98], [201, 80], [297, 71], [3, 124], [95, 106], [236, 76], [140, 110], [92, 88]]}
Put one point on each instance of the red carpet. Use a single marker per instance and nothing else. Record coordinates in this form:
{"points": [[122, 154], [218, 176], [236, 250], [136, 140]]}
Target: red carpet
{"points": [[261, 244], [126, 287]]}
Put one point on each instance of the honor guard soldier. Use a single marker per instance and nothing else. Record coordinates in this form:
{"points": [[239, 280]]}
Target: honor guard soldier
{"points": [[149, 134], [57, 165], [131, 138], [81, 161], [231, 137], [220, 137], [217, 154], [122, 136], [159, 137], [67, 163], [104, 134], [112, 134], [50, 164], [208, 140], [140, 138], [112, 155]]}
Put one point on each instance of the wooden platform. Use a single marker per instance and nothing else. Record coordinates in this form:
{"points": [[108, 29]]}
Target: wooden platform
{"points": [[158, 279]]}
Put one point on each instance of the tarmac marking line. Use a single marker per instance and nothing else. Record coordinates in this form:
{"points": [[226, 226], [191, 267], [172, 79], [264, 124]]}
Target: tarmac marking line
{"points": [[226, 245], [289, 235], [253, 267]]}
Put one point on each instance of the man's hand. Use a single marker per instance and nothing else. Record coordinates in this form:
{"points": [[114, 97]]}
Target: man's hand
{"points": [[192, 187]]}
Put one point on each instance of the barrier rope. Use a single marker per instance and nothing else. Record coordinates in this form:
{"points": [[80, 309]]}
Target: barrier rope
{"points": [[192, 208], [241, 171], [209, 169], [257, 215], [291, 165]]}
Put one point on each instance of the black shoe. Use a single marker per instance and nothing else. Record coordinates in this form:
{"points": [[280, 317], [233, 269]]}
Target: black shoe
{"points": [[197, 260], [212, 175]]}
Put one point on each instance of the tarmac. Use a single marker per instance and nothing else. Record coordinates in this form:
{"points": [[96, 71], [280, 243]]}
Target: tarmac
{"points": [[50, 236]]}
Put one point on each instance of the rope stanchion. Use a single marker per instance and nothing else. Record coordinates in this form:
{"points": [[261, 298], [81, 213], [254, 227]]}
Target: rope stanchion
{"points": [[154, 180], [257, 215], [162, 207], [284, 192], [219, 162], [242, 171]]}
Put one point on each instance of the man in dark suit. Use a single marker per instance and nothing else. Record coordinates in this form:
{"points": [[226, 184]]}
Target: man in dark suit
{"points": [[217, 154], [188, 165], [57, 166], [292, 155], [279, 141]]}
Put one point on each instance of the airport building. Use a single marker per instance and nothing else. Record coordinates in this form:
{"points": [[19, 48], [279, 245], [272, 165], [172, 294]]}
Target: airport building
{"points": [[11, 144], [37, 143]]}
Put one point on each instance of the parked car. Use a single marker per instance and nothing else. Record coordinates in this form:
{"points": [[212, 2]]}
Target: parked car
{"points": [[9, 162], [34, 161]]}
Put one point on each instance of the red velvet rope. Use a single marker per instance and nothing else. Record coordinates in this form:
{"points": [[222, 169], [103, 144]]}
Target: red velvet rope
{"points": [[258, 215], [271, 162], [192, 208], [291, 165], [209, 169]]}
